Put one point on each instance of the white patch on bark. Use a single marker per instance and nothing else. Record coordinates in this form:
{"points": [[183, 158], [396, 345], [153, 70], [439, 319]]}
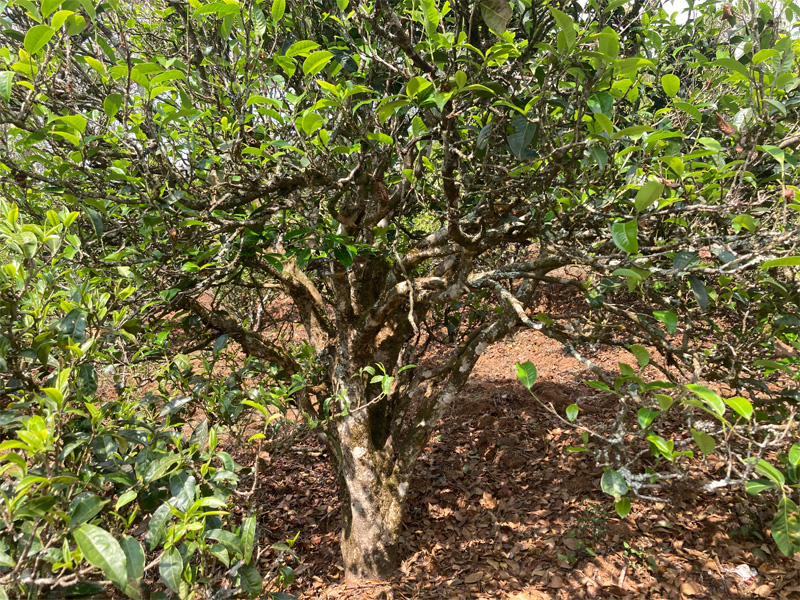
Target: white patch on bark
{"points": [[402, 489], [359, 451], [479, 349]]}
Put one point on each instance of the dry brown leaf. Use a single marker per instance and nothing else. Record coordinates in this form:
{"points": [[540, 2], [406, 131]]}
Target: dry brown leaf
{"points": [[724, 126], [473, 577], [556, 582], [763, 591], [689, 589]]}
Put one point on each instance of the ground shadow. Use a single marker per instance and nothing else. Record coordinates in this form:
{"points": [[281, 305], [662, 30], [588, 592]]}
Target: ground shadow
{"points": [[499, 508]]}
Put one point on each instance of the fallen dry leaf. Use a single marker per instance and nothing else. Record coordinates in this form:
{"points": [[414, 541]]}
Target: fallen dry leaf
{"points": [[763, 590], [473, 577], [689, 589], [556, 582]]}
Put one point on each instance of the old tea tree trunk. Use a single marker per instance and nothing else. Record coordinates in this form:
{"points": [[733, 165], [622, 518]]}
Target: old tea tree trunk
{"points": [[385, 420]]}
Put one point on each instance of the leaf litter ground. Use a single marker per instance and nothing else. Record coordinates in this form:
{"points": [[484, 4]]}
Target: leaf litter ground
{"points": [[500, 509]]}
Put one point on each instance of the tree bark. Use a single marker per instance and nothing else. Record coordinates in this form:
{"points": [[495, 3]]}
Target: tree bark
{"points": [[372, 503]]}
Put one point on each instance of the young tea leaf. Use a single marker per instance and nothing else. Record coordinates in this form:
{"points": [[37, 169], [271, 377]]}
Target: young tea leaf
{"points": [[526, 373]]}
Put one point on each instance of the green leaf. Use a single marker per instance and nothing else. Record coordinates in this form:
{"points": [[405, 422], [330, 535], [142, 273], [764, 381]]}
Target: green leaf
{"points": [[777, 105], [794, 455], [250, 580], [614, 484], [733, 65], [669, 318], [157, 525], [710, 143], [641, 354], [311, 122], [84, 507], [566, 26], [48, 6], [664, 401], [278, 9], [763, 55], [496, 14], [786, 527], [231, 541], [699, 291], [75, 121], [344, 255], [431, 15], [301, 48], [59, 18], [646, 416], [75, 25], [101, 550], [526, 373], [633, 130], [775, 152], [671, 84], [689, 110], [770, 472], [125, 498], [316, 61], [756, 486], [625, 236], [6, 81], [157, 469], [710, 397], [647, 194], [741, 405], [705, 442], [37, 38], [623, 507], [248, 537], [259, 21], [608, 43], [786, 261], [171, 567], [572, 412], [112, 104], [134, 556], [524, 132]]}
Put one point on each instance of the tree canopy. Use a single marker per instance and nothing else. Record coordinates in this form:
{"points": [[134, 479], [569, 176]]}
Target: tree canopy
{"points": [[411, 176]]}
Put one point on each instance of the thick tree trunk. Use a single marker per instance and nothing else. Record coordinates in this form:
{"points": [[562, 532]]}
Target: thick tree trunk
{"points": [[372, 518], [372, 503]]}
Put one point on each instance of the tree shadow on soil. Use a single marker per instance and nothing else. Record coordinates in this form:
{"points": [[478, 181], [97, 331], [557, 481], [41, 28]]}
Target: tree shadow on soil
{"points": [[498, 508]]}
